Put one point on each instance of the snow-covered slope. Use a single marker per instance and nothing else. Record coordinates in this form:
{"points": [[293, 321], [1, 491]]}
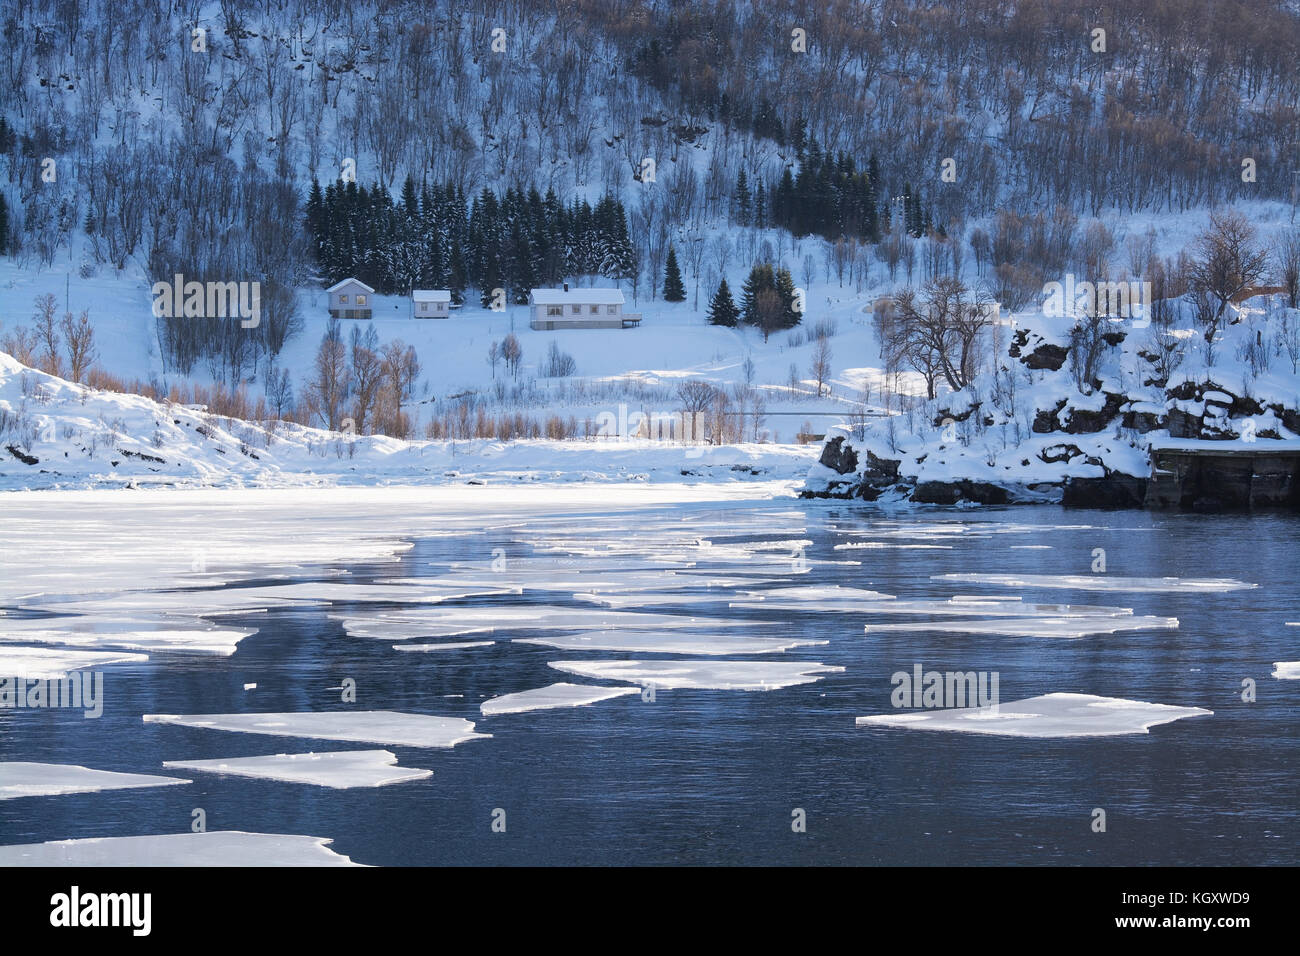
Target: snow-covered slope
{"points": [[55, 434], [1027, 431]]}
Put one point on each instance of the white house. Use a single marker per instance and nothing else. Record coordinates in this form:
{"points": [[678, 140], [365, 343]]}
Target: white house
{"points": [[431, 303], [579, 309], [350, 299]]}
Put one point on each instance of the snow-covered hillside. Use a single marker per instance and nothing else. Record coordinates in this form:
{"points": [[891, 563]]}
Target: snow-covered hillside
{"points": [[1028, 431], [55, 434]]}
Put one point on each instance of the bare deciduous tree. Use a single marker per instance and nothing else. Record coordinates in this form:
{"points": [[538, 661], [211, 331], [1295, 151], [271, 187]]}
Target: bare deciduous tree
{"points": [[80, 337]]}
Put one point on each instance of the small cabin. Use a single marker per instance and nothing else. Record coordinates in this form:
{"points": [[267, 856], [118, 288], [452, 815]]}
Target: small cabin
{"points": [[350, 299], [550, 309], [431, 303]]}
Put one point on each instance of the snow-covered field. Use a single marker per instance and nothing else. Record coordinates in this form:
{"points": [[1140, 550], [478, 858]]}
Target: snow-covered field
{"points": [[60, 435]]}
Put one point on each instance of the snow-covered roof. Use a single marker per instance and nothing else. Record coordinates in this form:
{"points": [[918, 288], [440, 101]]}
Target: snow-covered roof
{"points": [[575, 297], [349, 281], [431, 295]]}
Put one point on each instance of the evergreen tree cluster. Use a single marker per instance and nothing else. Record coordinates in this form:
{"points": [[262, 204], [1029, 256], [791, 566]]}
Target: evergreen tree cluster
{"points": [[916, 219], [766, 287], [431, 238], [830, 197]]}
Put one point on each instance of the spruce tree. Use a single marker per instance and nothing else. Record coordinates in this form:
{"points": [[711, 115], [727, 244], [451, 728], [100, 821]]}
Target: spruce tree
{"points": [[742, 206], [723, 309], [674, 290], [4, 225], [760, 279]]}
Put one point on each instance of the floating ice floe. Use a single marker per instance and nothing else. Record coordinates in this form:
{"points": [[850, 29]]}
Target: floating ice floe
{"points": [[878, 545], [653, 599], [451, 622], [371, 726], [1100, 582], [812, 596], [1079, 626], [556, 695], [1286, 670], [415, 592], [956, 607], [340, 769], [595, 582], [49, 663], [67, 633], [214, 848], [702, 675], [446, 646], [671, 642], [1049, 715], [23, 779]]}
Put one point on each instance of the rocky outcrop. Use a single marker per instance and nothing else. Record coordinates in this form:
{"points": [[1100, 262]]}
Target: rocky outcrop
{"points": [[952, 492], [1036, 352], [1113, 491], [839, 456]]}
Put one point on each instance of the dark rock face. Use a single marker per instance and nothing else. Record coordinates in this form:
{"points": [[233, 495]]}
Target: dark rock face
{"points": [[951, 492], [1043, 355], [1113, 491], [1057, 453], [1183, 425], [1080, 421], [838, 456], [1143, 422], [1046, 420], [1048, 356]]}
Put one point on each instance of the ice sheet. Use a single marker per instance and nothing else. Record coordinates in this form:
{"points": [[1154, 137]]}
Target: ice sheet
{"points": [[369, 726], [670, 642], [339, 769], [217, 641], [457, 646], [878, 545], [214, 848], [1011, 607], [654, 599], [593, 582], [1286, 670], [1049, 715], [47, 663], [556, 695], [1100, 582], [702, 675], [814, 593], [22, 779], [1079, 626], [415, 592], [451, 622]]}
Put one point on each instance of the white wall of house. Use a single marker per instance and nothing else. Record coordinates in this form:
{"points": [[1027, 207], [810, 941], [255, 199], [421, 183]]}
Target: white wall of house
{"points": [[350, 299]]}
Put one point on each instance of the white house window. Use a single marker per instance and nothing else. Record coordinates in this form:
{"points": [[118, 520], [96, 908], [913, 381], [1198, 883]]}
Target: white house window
{"points": [[595, 310], [424, 307], [555, 310], [611, 310], [577, 310], [361, 300], [442, 306], [343, 298]]}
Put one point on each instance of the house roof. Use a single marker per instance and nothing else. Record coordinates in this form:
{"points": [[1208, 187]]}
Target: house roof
{"points": [[431, 295], [349, 281], [576, 297]]}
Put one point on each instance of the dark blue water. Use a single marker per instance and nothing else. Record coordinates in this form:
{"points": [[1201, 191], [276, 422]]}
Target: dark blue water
{"points": [[712, 777]]}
